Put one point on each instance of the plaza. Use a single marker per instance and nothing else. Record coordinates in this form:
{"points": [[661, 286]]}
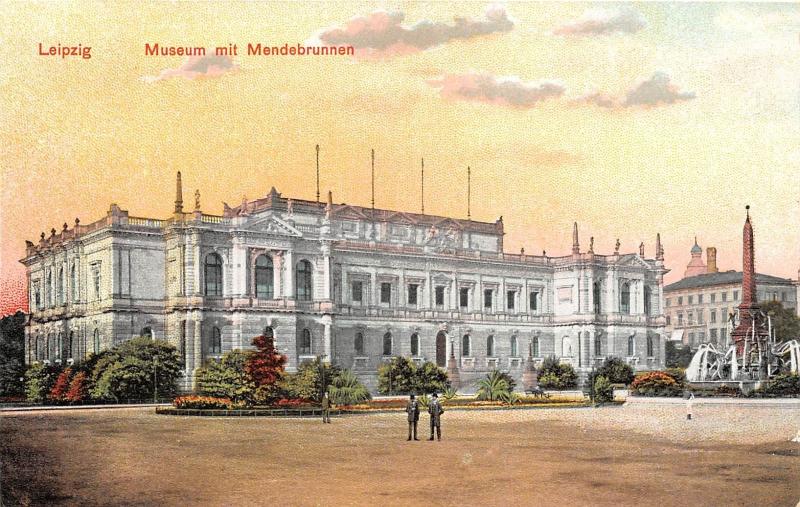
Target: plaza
{"points": [[635, 454]]}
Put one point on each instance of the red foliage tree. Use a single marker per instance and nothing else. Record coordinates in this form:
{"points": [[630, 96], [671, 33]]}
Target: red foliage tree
{"points": [[59, 391], [78, 388], [265, 365]]}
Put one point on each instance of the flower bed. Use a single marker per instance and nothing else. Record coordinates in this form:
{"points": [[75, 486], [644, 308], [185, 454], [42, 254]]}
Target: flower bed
{"points": [[203, 402]]}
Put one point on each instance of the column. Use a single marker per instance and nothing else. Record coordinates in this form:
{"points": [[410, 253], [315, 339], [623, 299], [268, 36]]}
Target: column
{"points": [[288, 270], [277, 274], [346, 291], [239, 268], [326, 269], [197, 342], [326, 321]]}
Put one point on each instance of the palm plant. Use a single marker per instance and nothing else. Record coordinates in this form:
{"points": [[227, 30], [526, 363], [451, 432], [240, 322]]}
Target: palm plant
{"points": [[346, 389], [493, 386], [449, 394]]}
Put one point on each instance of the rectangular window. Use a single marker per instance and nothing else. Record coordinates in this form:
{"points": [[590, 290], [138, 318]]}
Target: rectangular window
{"points": [[511, 296], [699, 299], [412, 294], [723, 333], [680, 300], [736, 295], [534, 301], [487, 299], [668, 320], [386, 293], [713, 316], [358, 291], [440, 296], [713, 298], [96, 280], [690, 318], [700, 316], [680, 319], [724, 296], [783, 296], [463, 298], [667, 301], [691, 300]]}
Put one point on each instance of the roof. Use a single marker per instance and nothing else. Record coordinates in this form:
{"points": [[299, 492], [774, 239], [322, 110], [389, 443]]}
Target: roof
{"points": [[722, 278]]}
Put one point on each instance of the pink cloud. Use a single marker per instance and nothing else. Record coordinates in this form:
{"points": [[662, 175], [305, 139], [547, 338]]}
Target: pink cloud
{"points": [[381, 33], [654, 91], [604, 21], [505, 91], [198, 67]]}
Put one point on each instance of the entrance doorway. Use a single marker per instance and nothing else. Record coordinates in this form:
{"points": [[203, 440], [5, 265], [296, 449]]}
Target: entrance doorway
{"points": [[441, 349]]}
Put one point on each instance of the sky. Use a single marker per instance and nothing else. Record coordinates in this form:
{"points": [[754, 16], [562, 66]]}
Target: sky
{"points": [[631, 119]]}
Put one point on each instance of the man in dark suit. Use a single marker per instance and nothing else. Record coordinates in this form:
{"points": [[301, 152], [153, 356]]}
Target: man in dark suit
{"points": [[412, 409], [326, 408], [435, 410]]}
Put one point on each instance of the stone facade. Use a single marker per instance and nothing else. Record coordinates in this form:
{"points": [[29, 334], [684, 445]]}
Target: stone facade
{"points": [[353, 285]]}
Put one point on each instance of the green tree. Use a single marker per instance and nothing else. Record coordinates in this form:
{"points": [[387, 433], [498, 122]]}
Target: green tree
{"points": [[493, 387], [603, 392], [227, 378], [554, 375], [430, 378], [39, 381], [677, 355], [615, 370], [397, 376], [347, 389], [12, 354], [784, 321]]}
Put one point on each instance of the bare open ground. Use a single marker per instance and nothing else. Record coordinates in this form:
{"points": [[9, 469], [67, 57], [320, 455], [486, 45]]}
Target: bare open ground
{"points": [[610, 456]]}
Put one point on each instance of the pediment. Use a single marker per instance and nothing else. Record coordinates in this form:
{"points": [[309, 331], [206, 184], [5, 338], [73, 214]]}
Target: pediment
{"points": [[633, 260], [401, 218], [273, 225], [349, 212], [448, 223]]}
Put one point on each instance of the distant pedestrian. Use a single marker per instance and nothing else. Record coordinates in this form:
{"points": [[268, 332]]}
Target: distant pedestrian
{"points": [[412, 409], [689, 405], [326, 408], [435, 410]]}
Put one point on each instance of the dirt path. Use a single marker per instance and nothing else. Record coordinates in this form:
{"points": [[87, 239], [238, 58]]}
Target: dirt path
{"points": [[542, 457]]}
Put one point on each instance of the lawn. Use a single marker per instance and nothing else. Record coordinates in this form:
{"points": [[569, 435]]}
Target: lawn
{"points": [[605, 456]]}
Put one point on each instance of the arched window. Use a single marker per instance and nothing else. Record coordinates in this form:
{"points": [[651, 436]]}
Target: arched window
{"points": [[648, 300], [650, 346], [147, 332], [631, 346], [69, 344], [96, 342], [596, 295], [305, 342], [414, 344], [465, 346], [598, 345], [60, 293], [49, 289], [490, 346], [514, 351], [213, 275], [216, 341], [269, 332], [358, 344], [73, 282], [183, 342], [535, 346], [304, 286], [625, 298], [264, 277], [387, 344]]}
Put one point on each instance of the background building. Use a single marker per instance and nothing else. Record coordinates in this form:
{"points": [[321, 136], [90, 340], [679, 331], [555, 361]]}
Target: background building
{"points": [[698, 307], [351, 284]]}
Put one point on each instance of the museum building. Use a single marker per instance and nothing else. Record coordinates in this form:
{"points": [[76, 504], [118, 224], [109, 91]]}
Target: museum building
{"points": [[353, 285]]}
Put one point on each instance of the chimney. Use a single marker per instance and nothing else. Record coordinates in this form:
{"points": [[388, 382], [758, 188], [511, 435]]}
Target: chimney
{"points": [[711, 260]]}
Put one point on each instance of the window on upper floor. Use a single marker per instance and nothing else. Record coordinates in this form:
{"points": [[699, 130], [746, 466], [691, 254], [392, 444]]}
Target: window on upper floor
{"points": [[387, 344], [465, 346], [680, 300], [386, 293], [650, 351], [535, 346], [691, 300], [699, 299], [648, 301], [487, 298], [736, 295], [357, 288], [463, 298], [49, 289], [215, 347], [680, 319], [533, 301], [213, 275], [625, 298], [712, 316], [439, 295], [713, 297], [724, 296], [490, 346], [73, 282], [264, 277], [413, 289], [305, 284], [631, 346], [700, 316], [668, 321], [305, 342], [598, 345], [667, 302], [597, 297], [514, 351], [358, 344], [60, 296], [414, 344], [96, 280], [511, 299]]}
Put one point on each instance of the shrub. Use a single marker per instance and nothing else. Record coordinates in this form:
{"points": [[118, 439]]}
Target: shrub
{"points": [[39, 381], [449, 393], [78, 388], [493, 387], [308, 382], [227, 378], [430, 378], [347, 389], [679, 374], [58, 394], [603, 392], [780, 386], [655, 383], [396, 376], [554, 375], [203, 402], [616, 371], [510, 397]]}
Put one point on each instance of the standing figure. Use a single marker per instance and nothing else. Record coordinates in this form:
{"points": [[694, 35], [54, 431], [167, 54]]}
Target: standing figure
{"points": [[326, 408], [435, 410], [412, 409], [689, 406]]}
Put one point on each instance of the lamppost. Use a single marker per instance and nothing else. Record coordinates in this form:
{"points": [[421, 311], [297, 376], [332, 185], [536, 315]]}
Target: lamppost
{"points": [[155, 379]]}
